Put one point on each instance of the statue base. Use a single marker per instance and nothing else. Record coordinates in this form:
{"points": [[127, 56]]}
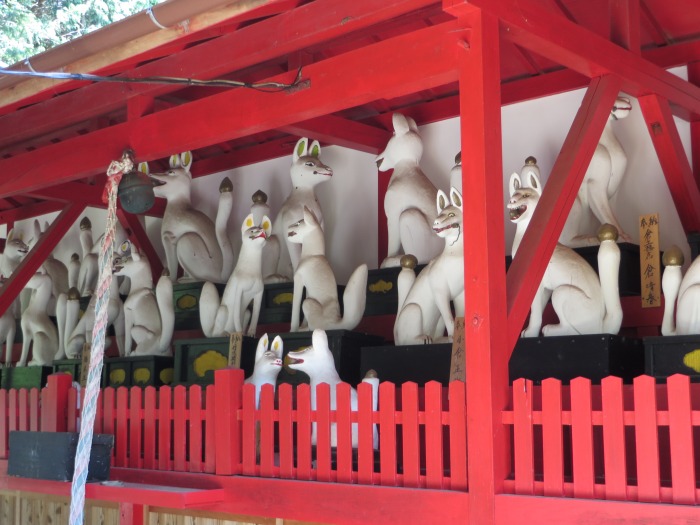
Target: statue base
{"points": [[416, 363], [147, 370], [382, 291], [25, 376], [593, 356], [673, 354], [196, 360], [68, 366]]}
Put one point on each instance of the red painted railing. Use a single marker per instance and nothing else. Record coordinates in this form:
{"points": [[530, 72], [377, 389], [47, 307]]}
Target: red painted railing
{"points": [[422, 431], [637, 442]]}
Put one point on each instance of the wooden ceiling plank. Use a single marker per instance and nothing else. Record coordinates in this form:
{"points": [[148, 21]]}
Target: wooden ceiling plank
{"points": [[537, 246], [338, 131], [625, 24], [239, 113], [673, 159], [291, 31]]}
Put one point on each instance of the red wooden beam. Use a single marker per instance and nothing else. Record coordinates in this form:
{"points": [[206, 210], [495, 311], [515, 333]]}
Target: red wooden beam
{"points": [[528, 24], [36, 257], [673, 159], [625, 24], [341, 132], [243, 157], [542, 235], [239, 113], [29, 210], [257, 43], [136, 233], [90, 194], [694, 77], [484, 272]]}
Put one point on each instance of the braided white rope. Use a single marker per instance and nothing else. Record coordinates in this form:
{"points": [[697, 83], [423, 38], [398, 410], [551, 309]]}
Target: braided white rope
{"points": [[92, 388]]}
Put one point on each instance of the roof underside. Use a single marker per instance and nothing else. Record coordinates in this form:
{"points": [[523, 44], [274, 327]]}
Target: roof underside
{"points": [[56, 139]]}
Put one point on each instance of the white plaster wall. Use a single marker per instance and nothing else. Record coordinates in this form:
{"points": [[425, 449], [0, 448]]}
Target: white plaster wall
{"points": [[349, 199]]}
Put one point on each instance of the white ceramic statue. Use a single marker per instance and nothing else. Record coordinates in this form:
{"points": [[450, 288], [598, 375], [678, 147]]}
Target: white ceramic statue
{"points": [[681, 294], [74, 331], [15, 250], [87, 276], [55, 268], [316, 361], [307, 172], [245, 285], [584, 303], [409, 202], [600, 183], [149, 316], [268, 363], [456, 173], [190, 238], [38, 332], [424, 301], [73, 271], [315, 275], [271, 250]]}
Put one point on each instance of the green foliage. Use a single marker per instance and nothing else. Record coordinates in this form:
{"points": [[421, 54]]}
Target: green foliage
{"points": [[28, 27]]}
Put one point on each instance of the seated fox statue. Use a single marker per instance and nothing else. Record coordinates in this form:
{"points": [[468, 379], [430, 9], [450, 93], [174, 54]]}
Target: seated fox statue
{"points": [[316, 361], [600, 183], [38, 331], [307, 172], [14, 252], [244, 286], [149, 317], [190, 238], [315, 276], [583, 302], [87, 275], [681, 294], [268, 363], [425, 300], [410, 197]]}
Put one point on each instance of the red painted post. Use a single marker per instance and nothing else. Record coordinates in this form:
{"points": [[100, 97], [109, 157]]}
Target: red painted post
{"points": [[304, 432], [210, 437], [647, 439], [135, 429], [195, 429], [132, 514], [228, 383], [387, 434], [149, 428], [434, 471], [121, 437], [365, 449], [344, 426], [54, 399], [267, 431], [614, 439], [249, 431], [23, 411], [582, 438], [180, 428], [458, 436], [523, 437], [680, 415], [693, 77], [410, 433], [323, 432], [552, 438], [286, 431]]}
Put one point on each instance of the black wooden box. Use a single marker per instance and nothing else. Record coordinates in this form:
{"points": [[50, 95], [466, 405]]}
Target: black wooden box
{"points": [[382, 291], [417, 363], [592, 356], [25, 376], [676, 354], [197, 359], [149, 370], [51, 455], [68, 366]]}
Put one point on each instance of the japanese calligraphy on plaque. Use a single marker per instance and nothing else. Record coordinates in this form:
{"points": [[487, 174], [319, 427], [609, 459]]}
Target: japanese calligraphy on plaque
{"points": [[649, 262], [235, 348], [457, 364]]}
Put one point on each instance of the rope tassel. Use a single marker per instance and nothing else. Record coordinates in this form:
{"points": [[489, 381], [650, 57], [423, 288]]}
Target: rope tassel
{"points": [[92, 390]]}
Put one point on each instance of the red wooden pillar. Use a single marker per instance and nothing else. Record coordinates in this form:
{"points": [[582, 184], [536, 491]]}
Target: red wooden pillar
{"points": [[54, 401], [137, 235], [133, 514], [228, 400], [694, 77], [484, 269]]}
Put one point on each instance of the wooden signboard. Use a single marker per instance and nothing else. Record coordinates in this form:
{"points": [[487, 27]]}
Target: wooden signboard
{"points": [[235, 349], [458, 370], [84, 364], [649, 261]]}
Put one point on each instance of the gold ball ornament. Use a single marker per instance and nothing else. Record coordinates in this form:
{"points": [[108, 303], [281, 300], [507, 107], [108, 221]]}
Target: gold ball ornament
{"points": [[607, 232], [259, 197], [409, 261], [226, 186], [673, 257]]}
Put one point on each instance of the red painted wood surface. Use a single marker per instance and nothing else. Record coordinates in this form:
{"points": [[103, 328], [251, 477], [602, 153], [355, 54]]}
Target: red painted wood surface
{"points": [[410, 433], [680, 421], [227, 400], [195, 429], [135, 427], [457, 400], [121, 437], [614, 439], [366, 429], [180, 428], [647, 440], [267, 431], [249, 431], [323, 432], [344, 427], [286, 431], [150, 427], [211, 435], [164, 427], [552, 438], [387, 433], [434, 468], [582, 437], [304, 432], [524, 453]]}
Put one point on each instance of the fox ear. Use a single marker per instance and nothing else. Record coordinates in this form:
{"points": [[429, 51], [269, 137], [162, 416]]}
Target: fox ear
{"points": [[514, 184], [11, 235], [400, 123], [174, 161], [315, 149], [534, 181], [442, 201], [143, 167], [278, 346], [263, 343], [319, 339], [186, 160], [301, 149], [248, 222], [266, 225], [456, 198]]}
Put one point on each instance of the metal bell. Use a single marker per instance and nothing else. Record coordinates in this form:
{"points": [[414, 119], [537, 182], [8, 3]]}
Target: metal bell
{"points": [[136, 192]]}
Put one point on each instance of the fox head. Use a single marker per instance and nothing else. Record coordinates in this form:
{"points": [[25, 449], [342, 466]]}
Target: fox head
{"points": [[176, 181], [268, 359], [621, 109], [525, 190], [298, 231], [252, 234], [128, 261], [307, 169], [406, 144], [315, 360], [15, 248], [448, 224]]}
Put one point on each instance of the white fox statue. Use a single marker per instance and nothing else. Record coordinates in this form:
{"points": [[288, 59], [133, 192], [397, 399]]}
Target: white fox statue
{"points": [[681, 294], [89, 269], [244, 286], [149, 317], [424, 300], [15, 250], [600, 183], [38, 332], [268, 363], [316, 361], [190, 238], [315, 275], [307, 172], [410, 197], [583, 302]]}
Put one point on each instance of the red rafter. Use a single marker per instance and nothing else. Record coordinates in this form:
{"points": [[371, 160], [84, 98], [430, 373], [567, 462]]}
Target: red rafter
{"points": [[137, 234]]}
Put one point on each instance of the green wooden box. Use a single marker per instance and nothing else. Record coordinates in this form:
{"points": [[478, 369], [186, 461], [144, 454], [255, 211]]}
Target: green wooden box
{"points": [[197, 359], [68, 366], [25, 376], [150, 370]]}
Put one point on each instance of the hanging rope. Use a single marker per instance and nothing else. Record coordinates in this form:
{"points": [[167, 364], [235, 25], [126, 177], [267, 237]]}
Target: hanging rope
{"points": [[92, 390]]}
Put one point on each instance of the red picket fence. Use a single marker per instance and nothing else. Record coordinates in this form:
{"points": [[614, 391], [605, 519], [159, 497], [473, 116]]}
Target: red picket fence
{"points": [[636, 442], [422, 431]]}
